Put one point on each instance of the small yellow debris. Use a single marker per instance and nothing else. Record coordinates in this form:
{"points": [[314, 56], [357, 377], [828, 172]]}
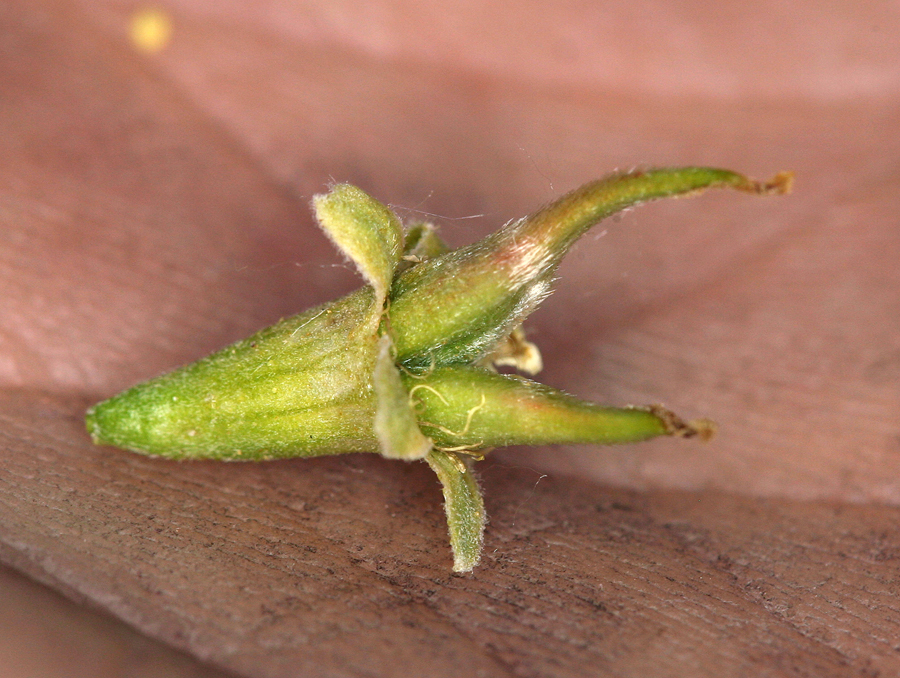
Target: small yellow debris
{"points": [[151, 29]]}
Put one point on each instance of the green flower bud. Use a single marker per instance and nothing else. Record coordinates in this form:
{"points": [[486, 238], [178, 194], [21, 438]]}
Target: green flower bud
{"points": [[404, 366], [456, 307]]}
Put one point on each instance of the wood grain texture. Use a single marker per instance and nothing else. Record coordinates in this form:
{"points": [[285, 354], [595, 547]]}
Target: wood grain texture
{"points": [[340, 566], [44, 634]]}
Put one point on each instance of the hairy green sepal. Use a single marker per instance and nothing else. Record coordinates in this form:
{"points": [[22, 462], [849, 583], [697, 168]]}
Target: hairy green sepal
{"points": [[396, 425], [464, 507]]}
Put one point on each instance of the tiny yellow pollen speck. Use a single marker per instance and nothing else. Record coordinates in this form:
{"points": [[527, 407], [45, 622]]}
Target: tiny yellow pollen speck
{"points": [[151, 29]]}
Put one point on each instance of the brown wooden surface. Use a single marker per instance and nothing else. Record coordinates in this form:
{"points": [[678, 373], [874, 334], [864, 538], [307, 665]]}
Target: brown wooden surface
{"points": [[340, 566], [153, 208], [44, 634]]}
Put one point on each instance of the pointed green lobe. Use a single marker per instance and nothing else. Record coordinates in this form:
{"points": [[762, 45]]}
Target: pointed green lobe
{"points": [[475, 408], [464, 507], [396, 425], [365, 230], [456, 307]]}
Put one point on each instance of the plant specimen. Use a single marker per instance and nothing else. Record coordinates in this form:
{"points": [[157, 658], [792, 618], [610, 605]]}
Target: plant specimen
{"points": [[404, 366]]}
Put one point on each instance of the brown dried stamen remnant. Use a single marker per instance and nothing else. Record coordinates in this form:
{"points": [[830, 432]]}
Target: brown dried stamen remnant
{"points": [[675, 426]]}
